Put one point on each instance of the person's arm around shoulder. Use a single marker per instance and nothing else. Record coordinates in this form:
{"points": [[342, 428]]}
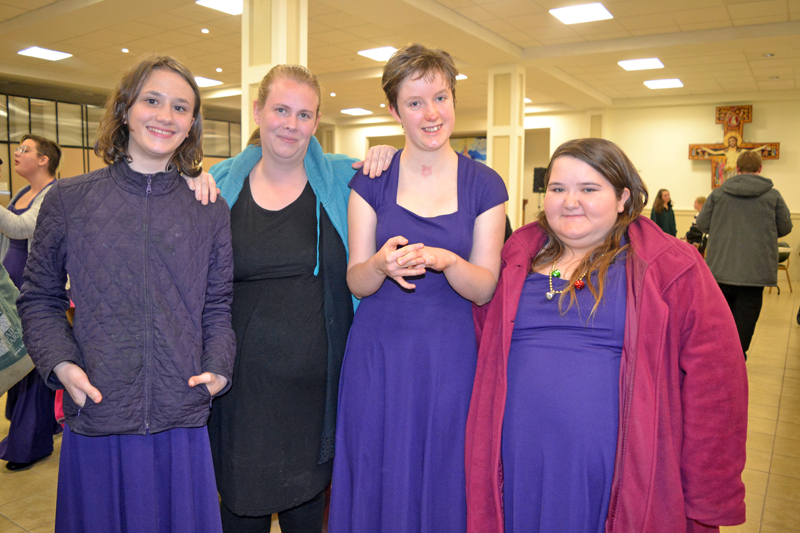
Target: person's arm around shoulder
{"points": [[713, 400], [367, 267], [21, 226], [783, 218], [219, 341]]}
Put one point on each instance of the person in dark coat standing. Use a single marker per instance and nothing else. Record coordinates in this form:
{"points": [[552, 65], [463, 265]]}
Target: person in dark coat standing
{"points": [[662, 213], [151, 275], [744, 219]]}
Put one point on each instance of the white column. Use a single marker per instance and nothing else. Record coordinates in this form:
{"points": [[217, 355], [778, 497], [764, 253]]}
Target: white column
{"points": [[273, 32], [505, 132]]}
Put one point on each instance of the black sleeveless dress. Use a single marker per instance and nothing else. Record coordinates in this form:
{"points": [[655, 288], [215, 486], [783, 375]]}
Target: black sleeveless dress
{"points": [[266, 431]]}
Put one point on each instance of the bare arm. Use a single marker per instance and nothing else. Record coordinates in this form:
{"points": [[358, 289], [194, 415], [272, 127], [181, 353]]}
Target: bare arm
{"points": [[368, 268], [712, 152], [377, 160], [475, 279]]}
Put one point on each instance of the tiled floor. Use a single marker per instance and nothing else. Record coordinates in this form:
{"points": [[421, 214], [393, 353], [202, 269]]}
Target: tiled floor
{"points": [[772, 473]]}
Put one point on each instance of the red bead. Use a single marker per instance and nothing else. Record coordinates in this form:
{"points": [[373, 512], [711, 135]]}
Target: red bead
{"points": [[579, 284]]}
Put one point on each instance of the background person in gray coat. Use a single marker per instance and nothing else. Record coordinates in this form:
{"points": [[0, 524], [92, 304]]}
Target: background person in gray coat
{"points": [[744, 219]]}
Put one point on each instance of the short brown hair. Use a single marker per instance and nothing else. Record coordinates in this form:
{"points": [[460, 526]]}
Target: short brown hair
{"points": [[113, 134], [416, 61], [297, 73], [50, 149], [749, 162], [612, 163]]}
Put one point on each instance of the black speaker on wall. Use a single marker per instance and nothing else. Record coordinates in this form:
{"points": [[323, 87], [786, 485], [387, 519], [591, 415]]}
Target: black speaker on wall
{"points": [[538, 179]]}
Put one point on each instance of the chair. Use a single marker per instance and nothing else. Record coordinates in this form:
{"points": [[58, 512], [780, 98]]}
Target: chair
{"points": [[784, 257]]}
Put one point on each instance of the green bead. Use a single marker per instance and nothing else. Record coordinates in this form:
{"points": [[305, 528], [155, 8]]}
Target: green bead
{"points": [[556, 273]]}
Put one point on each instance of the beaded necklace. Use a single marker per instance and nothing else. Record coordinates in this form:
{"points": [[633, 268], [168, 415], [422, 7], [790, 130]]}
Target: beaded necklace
{"points": [[556, 273]]}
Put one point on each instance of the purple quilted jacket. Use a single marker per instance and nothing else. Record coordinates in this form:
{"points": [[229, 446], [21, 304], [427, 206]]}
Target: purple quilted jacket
{"points": [[151, 275]]}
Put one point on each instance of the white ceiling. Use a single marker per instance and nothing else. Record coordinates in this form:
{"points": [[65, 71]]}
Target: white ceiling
{"points": [[716, 47]]}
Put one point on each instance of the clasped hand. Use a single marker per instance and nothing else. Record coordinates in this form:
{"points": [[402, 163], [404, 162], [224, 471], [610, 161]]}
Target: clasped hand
{"points": [[398, 259]]}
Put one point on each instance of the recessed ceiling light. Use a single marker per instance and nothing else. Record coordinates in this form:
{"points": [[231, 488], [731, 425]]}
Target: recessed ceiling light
{"points": [[206, 82], [664, 84], [44, 53], [641, 64], [204, 30], [769, 55], [219, 69], [333, 95], [383, 105], [356, 111], [378, 54], [461, 77], [584, 13], [231, 7], [527, 100]]}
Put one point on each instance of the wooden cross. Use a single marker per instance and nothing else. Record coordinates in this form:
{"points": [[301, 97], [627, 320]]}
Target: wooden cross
{"points": [[723, 155]]}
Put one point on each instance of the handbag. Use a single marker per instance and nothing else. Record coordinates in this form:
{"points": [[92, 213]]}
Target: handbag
{"points": [[15, 363]]}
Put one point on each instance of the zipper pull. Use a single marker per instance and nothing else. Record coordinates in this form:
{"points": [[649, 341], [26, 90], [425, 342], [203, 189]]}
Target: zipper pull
{"points": [[149, 180]]}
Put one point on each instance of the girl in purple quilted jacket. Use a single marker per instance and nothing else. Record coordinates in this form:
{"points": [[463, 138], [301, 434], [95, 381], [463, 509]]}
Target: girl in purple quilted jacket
{"points": [[150, 271]]}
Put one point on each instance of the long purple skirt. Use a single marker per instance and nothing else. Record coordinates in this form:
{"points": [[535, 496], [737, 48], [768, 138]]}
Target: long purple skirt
{"points": [[162, 483], [30, 406]]}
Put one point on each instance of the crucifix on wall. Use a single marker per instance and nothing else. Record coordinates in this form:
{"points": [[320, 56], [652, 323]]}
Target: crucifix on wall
{"points": [[723, 155]]}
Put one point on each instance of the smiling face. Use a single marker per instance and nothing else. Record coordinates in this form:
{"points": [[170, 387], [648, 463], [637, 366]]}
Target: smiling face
{"points": [[29, 162], [665, 197], [426, 112], [580, 204], [159, 120], [287, 120]]}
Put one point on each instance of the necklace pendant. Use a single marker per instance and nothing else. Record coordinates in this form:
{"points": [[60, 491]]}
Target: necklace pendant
{"points": [[579, 284], [556, 273], [549, 295]]}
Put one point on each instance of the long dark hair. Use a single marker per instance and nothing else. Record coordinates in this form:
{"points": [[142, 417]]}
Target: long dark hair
{"points": [[113, 134], [612, 163]]}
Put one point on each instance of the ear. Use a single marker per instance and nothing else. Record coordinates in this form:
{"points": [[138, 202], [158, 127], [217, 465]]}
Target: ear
{"points": [[395, 114], [316, 124], [43, 161], [256, 112], [626, 194]]}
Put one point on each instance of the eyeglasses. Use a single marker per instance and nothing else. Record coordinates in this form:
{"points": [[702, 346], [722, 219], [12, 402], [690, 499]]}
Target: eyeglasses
{"points": [[24, 148]]}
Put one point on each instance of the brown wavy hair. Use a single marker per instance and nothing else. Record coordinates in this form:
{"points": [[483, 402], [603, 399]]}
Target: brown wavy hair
{"points": [[611, 162], [417, 61], [113, 134], [658, 203], [297, 73]]}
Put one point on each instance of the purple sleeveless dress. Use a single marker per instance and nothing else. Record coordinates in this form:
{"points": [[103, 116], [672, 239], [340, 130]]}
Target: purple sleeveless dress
{"points": [[562, 409], [30, 403], [407, 376]]}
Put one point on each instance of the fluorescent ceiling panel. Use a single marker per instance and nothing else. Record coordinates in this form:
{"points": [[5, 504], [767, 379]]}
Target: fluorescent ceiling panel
{"points": [[44, 53], [664, 84], [206, 82], [583, 13], [378, 54], [641, 64], [231, 7], [356, 111]]}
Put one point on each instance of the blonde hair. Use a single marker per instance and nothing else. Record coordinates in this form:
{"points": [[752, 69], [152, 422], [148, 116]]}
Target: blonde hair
{"points": [[297, 73]]}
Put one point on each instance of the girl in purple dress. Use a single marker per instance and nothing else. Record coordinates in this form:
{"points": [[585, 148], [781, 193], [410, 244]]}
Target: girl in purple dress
{"points": [[424, 245], [151, 273], [29, 404]]}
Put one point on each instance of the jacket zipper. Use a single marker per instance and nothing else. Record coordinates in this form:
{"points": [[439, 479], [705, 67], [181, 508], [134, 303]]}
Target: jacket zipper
{"points": [[146, 288]]}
